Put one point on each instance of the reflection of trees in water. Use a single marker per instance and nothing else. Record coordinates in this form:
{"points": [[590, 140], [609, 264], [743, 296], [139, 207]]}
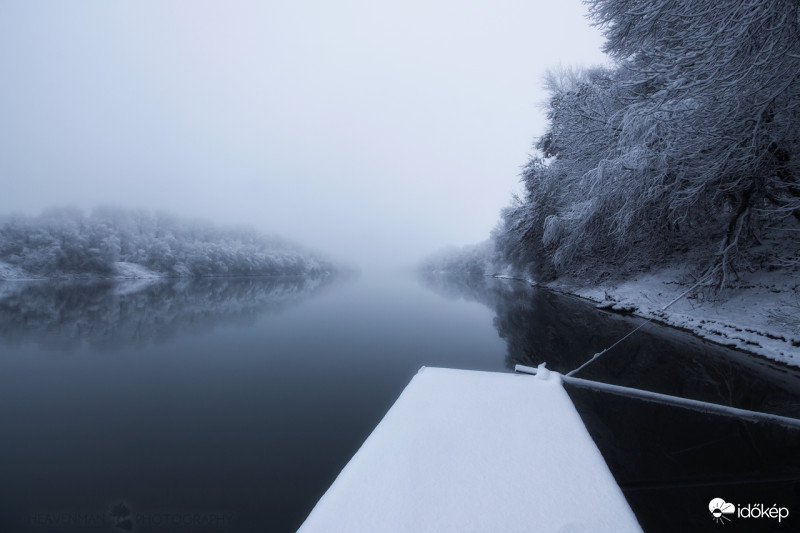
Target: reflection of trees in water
{"points": [[541, 326], [538, 326], [110, 314]]}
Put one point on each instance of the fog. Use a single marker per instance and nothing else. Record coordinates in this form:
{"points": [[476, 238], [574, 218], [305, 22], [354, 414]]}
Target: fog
{"points": [[374, 132]]}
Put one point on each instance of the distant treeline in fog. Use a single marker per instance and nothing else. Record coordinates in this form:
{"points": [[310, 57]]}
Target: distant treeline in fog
{"points": [[686, 150], [114, 242], [472, 259]]}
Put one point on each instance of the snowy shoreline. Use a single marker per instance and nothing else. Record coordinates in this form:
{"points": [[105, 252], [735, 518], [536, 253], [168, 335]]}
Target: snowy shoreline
{"points": [[130, 271], [760, 318]]}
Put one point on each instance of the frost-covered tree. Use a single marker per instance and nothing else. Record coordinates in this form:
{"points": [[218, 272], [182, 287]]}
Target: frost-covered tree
{"points": [[715, 125], [470, 260], [68, 243], [688, 146]]}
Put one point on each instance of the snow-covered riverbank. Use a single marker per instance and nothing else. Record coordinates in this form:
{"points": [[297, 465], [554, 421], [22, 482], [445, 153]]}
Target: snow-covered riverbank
{"points": [[761, 317], [122, 270]]}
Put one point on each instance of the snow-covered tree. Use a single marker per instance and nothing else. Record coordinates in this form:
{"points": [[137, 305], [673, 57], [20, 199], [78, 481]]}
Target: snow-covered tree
{"points": [[715, 129], [689, 145], [68, 243]]}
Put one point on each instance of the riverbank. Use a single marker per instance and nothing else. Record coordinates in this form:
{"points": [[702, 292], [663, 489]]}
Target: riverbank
{"points": [[126, 271], [762, 316]]}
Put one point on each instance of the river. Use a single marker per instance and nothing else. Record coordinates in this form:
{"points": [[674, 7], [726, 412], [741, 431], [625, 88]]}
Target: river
{"points": [[232, 404]]}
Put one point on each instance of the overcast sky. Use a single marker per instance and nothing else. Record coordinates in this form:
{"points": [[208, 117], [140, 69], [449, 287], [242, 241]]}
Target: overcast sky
{"points": [[376, 132]]}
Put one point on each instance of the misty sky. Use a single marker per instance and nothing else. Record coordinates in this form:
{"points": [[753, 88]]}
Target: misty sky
{"points": [[376, 132]]}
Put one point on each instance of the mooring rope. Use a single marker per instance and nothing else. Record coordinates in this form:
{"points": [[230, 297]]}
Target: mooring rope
{"points": [[643, 324]]}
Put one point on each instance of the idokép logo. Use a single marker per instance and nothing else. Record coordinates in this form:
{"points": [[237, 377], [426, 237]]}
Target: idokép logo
{"points": [[722, 511], [719, 508]]}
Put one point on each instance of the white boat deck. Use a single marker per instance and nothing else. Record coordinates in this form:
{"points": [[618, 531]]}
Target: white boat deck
{"points": [[464, 451]]}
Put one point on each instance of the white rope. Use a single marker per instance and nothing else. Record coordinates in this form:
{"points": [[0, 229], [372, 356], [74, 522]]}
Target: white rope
{"points": [[643, 324]]}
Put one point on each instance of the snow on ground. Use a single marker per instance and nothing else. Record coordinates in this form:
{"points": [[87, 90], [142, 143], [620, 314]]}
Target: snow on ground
{"points": [[761, 317], [127, 270], [122, 270], [465, 451]]}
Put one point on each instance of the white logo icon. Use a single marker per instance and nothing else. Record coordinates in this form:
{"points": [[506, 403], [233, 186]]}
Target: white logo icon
{"points": [[719, 508]]}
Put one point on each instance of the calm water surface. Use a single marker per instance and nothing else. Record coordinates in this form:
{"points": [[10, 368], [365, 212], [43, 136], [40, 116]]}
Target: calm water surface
{"points": [[231, 405]]}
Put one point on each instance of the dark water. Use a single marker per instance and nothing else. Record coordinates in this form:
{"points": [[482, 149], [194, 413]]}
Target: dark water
{"points": [[669, 461], [231, 405]]}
